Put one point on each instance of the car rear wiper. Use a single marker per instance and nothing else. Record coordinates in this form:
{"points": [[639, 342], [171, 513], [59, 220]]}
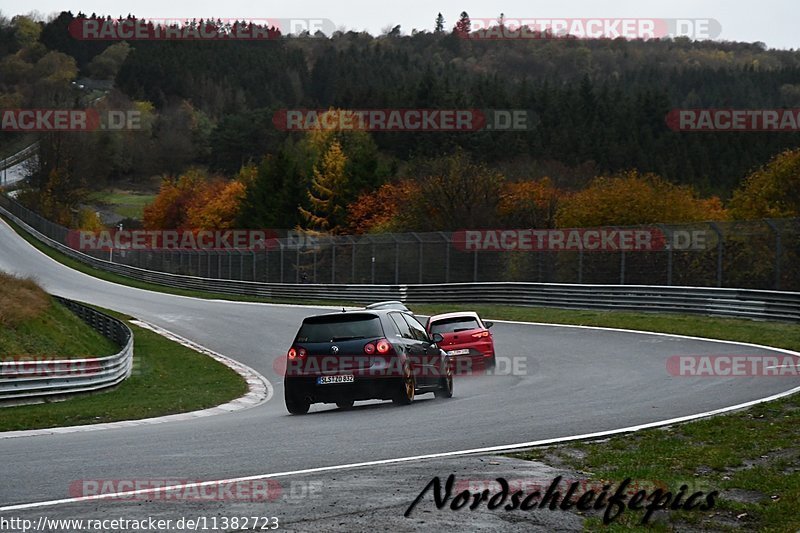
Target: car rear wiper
{"points": [[351, 338]]}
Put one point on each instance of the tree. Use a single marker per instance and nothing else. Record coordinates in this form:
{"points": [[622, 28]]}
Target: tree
{"points": [[463, 26], [630, 198], [772, 191], [105, 65], [326, 213], [453, 194], [377, 211], [439, 28], [529, 204]]}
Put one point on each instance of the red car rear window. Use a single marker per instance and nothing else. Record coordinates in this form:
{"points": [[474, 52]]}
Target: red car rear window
{"points": [[453, 325]]}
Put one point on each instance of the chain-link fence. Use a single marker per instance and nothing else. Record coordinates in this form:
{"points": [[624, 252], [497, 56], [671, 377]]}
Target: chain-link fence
{"points": [[762, 254]]}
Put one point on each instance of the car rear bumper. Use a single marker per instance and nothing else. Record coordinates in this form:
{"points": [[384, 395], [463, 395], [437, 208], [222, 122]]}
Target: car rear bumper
{"points": [[306, 387]]}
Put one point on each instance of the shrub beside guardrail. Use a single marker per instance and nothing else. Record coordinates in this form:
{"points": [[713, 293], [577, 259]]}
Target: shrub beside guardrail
{"points": [[31, 379]]}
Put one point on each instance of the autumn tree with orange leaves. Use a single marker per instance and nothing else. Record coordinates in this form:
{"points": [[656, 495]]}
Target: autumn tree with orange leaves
{"points": [[197, 201]]}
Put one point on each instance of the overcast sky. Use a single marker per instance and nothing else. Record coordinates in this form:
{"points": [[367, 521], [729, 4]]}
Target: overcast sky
{"points": [[771, 21]]}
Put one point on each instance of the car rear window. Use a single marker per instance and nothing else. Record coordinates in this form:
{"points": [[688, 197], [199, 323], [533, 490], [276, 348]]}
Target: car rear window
{"points": [[343, 327], [452, 325]]}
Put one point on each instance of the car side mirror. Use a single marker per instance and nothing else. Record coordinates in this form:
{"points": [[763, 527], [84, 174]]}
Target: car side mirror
{"points": [[488, 324], [437, 338]]}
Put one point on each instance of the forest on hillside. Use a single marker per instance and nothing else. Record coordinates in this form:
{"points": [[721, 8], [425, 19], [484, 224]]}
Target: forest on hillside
{"points": [[208, 108]]}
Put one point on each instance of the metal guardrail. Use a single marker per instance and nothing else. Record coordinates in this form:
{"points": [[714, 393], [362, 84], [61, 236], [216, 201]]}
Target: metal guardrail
{"points": [[20, 156], [743, 303], [34, 378]]}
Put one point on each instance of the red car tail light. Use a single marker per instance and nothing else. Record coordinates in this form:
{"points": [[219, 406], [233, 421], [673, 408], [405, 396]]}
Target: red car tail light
{"points": [[383, 346], [369, 349], [480, 334], [298, 353]]}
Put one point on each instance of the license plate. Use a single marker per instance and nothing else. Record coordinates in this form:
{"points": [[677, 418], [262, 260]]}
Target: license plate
{"points": [[458, 352], [329, 380]]}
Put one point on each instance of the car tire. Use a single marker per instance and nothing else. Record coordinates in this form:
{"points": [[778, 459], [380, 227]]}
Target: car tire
{"points": [[492, 362], [345, 404], [445, 389], [296, 406], [406, 387]]}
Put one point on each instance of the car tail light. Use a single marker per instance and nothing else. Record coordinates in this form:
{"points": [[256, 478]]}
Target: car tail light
{"points": [[369, 349], [383, 346], [480, 334], [298, 353]]}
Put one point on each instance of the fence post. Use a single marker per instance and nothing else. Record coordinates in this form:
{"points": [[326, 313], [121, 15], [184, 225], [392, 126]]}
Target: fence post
{"points": [[396, 261], [281, 244], [778, 249], [420, 254], [580, 265], [447, 244], [622, 267], [668, 245], [475, 265], [297, 264], [720, 252], [333, 260]]}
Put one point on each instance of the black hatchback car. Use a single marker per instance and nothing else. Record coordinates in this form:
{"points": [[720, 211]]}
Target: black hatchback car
{"points": [[361, 355]]}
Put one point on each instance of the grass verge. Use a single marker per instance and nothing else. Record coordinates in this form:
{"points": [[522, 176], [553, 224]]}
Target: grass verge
{"points": [[167, 378], [34, 325]]}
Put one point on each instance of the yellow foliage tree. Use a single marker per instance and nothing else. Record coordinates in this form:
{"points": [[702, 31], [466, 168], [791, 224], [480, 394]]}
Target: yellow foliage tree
{"points": [[772, 191], [326, 212], [631, 198]]}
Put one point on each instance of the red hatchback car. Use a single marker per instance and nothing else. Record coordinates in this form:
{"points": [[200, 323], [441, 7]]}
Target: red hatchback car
{"points": [[466, 338]]}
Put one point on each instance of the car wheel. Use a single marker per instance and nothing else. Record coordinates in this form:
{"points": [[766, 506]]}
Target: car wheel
{"points": [[295, 406], [446, 388], [492, 363], [406, 387], [345, 404]]}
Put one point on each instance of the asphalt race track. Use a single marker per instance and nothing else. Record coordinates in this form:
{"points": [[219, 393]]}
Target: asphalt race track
{"points": [[576, 381]]}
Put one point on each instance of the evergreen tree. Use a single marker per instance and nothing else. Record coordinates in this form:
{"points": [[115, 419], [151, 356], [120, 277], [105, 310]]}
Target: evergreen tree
{"points": [[439, 23]]}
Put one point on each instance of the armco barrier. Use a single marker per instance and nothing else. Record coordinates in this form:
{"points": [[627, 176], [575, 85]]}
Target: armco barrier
{"points": [[744, 303], [23, 379]]}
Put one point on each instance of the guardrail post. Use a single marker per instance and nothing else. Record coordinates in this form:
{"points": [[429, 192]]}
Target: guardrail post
{"points": [[580, 265], [475, 265], [720, 252], [297, 265], [315, 266], [622, 267], [778, 249]]}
